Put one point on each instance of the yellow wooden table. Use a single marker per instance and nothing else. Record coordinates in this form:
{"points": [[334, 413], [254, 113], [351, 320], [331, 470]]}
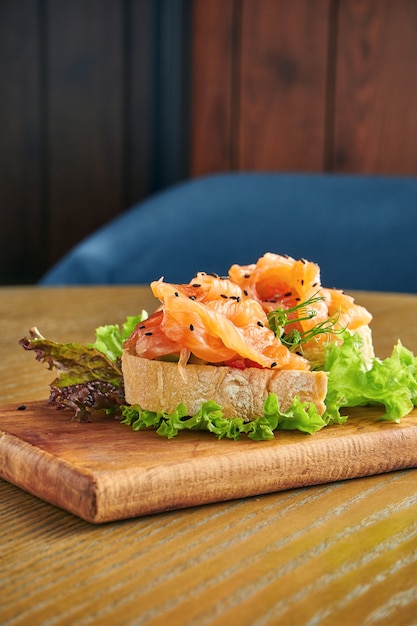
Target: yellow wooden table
{"points": [[340, 553]]}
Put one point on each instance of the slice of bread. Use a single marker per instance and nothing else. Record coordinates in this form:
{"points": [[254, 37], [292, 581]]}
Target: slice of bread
{"points": [[159, 386]]}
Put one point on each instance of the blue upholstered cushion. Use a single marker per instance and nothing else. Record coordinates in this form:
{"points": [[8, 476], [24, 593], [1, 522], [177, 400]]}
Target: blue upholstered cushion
{"points": [[361, 230]]}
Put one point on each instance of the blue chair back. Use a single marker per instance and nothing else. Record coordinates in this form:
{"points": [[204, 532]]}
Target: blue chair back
{"points": [[361, 230]]}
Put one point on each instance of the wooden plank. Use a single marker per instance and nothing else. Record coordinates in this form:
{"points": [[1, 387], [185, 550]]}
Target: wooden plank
{"points": [[284, 46], [22, 233], [213, 57], [78, 467], [85, 125], [139, 103], [376, 89], [171, 97]]}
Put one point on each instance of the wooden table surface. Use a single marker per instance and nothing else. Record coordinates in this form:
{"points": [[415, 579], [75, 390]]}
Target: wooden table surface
{"points": [[341, 553]]}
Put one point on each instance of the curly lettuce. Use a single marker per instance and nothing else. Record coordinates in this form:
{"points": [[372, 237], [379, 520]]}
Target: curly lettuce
{"points": [[301, 416], [391, 382], [90, 378]]}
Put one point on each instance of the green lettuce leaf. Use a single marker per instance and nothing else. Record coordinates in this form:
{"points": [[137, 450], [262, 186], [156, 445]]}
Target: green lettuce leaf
{"points": [[301, 416], [110, 338], [391, 383], [89, 377]]}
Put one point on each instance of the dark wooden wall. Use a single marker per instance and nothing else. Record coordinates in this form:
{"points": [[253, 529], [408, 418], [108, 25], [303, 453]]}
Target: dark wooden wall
{"points": [[312, 85], [93, 116], [103, 102]]}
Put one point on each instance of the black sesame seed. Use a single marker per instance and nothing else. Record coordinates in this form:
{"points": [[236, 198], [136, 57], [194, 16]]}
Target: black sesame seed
{"points": [[260, 324], [196, 285], [22, 407], [315, 284], [297, 299], [149, 333], [143, 326], [192, 297], [177, 294], [245, 293], [223, 295], [191, 327], [288, 294], [274, 364], [302, 281], [247, 276]]}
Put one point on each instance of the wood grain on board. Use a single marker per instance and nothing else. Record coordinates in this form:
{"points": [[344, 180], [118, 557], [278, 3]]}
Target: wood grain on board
{"points": [[104, 471]]}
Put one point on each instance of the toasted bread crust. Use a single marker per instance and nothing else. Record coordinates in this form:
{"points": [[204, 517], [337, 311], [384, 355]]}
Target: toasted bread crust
{"points": [[159, 386]]}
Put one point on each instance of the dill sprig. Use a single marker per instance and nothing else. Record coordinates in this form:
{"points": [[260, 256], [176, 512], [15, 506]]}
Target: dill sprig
{"points": [[279, 322]]}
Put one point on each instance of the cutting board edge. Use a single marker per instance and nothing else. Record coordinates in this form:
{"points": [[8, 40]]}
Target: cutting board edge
{"points": [[107, 494], [21, 462], [109, 516], [266, 468]]}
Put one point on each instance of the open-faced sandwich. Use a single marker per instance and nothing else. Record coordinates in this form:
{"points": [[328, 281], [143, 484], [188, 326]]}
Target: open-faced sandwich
{"points": [[265, 348], [234, 340]]}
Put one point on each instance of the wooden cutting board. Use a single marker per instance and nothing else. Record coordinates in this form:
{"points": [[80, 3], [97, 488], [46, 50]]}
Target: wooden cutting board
{"points": [[104, 471]]}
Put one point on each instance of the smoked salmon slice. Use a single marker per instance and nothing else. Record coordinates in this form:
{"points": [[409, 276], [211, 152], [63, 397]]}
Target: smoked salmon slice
{"points": [[213, 320], [281, 281], [226, 321]]}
